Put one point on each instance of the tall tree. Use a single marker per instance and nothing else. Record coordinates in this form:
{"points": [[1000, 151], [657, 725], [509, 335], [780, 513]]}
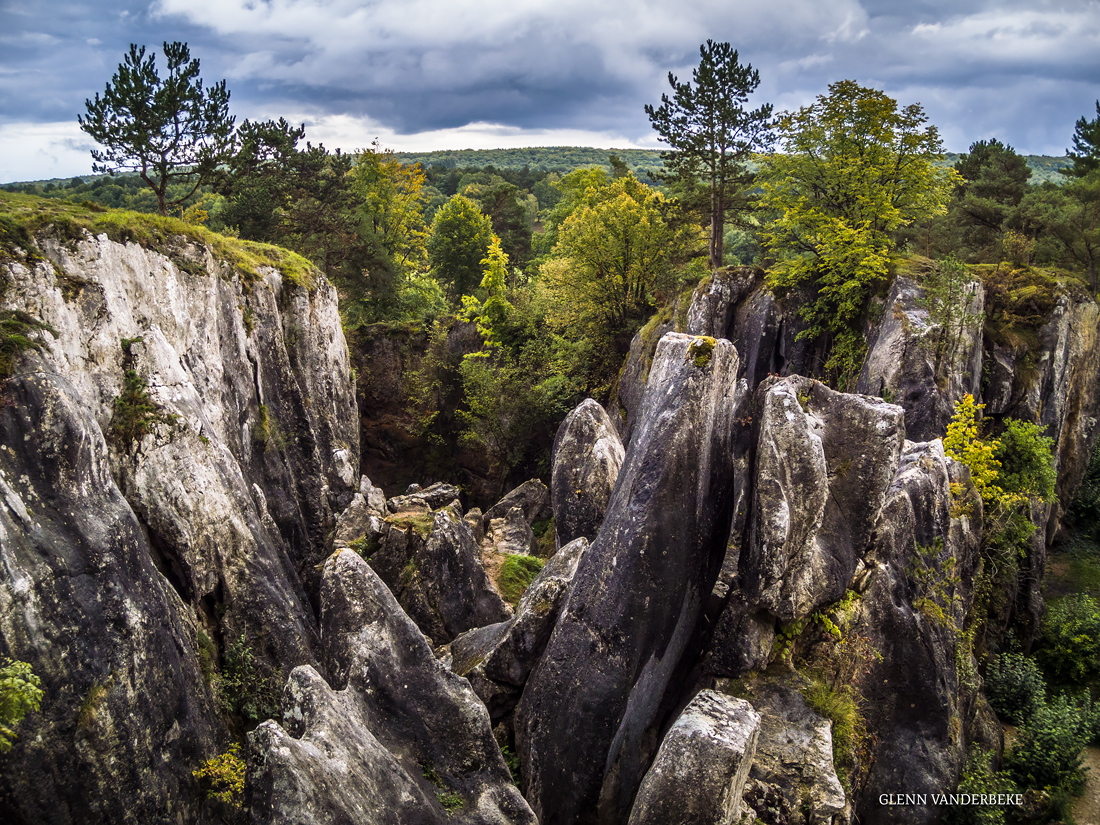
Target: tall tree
{"points": [[166, 130], [854, 170], [1086, 146], [994, 179], [711, 133], [459, 240]]}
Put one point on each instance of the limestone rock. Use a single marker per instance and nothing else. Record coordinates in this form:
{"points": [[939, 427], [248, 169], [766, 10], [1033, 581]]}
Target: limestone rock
{"points": [[824, 461], [586, 719], [432, 498], [902, 359], [416, 708], [507, 652], [531, 497], [702, 765], [586, 459], [715, 299], [793, 770], [509, 533]]}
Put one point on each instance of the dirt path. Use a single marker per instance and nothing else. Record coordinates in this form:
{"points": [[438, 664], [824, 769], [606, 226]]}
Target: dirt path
{"points": [[1086, 810]]}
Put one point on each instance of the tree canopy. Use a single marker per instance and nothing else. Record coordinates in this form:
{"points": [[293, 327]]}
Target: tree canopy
{"points": [[711, 133], [1086, 146], [854, 170], [166, 130], [459, 240]]}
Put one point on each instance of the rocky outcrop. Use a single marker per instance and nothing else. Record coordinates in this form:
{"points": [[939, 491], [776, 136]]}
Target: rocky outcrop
{"points": [[700, 770], [585, 724], [431, 498], [501, 656], [919, 364], [586, 460], [181, 443], [532, 498], [824, 461], [396, 717]]}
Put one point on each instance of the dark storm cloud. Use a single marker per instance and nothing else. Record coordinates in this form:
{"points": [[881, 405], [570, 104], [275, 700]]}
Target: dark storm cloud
{"points": [[1020, 71]]}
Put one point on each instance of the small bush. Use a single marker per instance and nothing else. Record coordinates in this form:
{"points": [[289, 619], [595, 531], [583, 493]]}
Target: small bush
{"points": [[20, 693], [1015, 687], [1047, 754], [1070, 650], [516, 573], [839, 706], [979, 778], [246, 687], [223, 777]]}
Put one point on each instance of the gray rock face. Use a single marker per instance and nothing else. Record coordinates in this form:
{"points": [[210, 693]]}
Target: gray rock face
{"points": [[532, 498], [792, 779], [715, 299], [701, 767], [586, 719], [416, 708], [917, 702], [507, 652], [432, 497], [209, 526], [903, 359], [327, 766], [587, 457], [823, 464], [432, 565], [510, 533]]}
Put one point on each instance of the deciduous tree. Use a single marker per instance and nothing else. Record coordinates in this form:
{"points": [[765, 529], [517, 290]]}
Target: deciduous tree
{"points": [[166, 130], [459, 240]]}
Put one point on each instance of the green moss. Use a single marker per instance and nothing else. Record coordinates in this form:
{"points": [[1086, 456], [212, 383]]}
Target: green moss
{"points": [[208, 656], [85, 715], [408, 573], [839, 706], [516, 573], [419, 522], [700, 350], [266, 432], [23, 216]]}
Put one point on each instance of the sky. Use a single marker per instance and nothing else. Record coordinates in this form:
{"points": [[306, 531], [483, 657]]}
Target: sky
{"points": [[454, 74]]}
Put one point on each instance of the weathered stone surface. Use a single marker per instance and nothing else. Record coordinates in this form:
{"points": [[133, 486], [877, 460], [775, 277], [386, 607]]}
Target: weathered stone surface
{"points": [[792, 779], [508, 651], [903, 361], [702, 765], [743, 639], [416, 708], [209, 526], [715, 299], [586, 459], [359, 520], [532, 498], [509, 533], [586, 719], [921, 710], [432, 565], [326, 766], [824, 461], [374, 496], [432, 497]]}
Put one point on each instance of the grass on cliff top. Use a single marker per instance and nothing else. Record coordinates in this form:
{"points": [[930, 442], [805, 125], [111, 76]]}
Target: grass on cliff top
{"points": [[22, 216]]}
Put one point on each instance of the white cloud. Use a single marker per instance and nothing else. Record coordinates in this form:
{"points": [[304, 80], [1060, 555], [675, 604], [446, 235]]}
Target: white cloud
{"points": [[38, 151]]}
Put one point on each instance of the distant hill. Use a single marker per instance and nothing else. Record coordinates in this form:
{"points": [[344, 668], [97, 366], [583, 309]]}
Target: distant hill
{"points": [[541, 158]]}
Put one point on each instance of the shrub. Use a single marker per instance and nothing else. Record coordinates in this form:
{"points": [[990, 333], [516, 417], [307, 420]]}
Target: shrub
{"points": [[839, 706], [224, 777], [1015, 687], [246, 687], [1027, 468], [979, 778], [1047, 754], [20, 693], [1070, 650]]}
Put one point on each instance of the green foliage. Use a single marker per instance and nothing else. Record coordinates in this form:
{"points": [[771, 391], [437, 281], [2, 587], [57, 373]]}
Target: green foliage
{"points": [[246, 687], [979, 778], [1027, 462], [20, 693], [712, 135], [1086, 146], [164, 129], [963, 443], [1084, 512], [19, 333], [854, 170], [459, 242], [1047, 754], [266, 431], [700, 350], [223, 777], [839, 705], [1070, 640], [512, 761], [420, 299], [492, 314], [516, 573], [1015, 688], [135, 413], [948, 289]]}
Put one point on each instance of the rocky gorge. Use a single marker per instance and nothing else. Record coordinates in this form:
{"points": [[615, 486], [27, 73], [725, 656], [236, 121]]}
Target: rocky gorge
{"points": [[193, 561]]}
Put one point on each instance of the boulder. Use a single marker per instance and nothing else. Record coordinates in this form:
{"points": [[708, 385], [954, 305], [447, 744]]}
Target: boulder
{"points": [[586, 723], [416, 708], [824, 461], [507, 652], [586, 459], [432, 497], [701, 767], [326, 766], [509, 533], [919, 366], [532, 498], [792, 781]]}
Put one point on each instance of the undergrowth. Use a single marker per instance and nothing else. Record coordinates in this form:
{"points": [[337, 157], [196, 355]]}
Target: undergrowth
{"points": [[516, 573]]}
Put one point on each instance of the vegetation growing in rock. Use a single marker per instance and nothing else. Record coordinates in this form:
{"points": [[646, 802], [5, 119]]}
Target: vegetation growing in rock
{"points": [[19, 332], [222, 777], [20, 693], [246, 687], [516, 573]]}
